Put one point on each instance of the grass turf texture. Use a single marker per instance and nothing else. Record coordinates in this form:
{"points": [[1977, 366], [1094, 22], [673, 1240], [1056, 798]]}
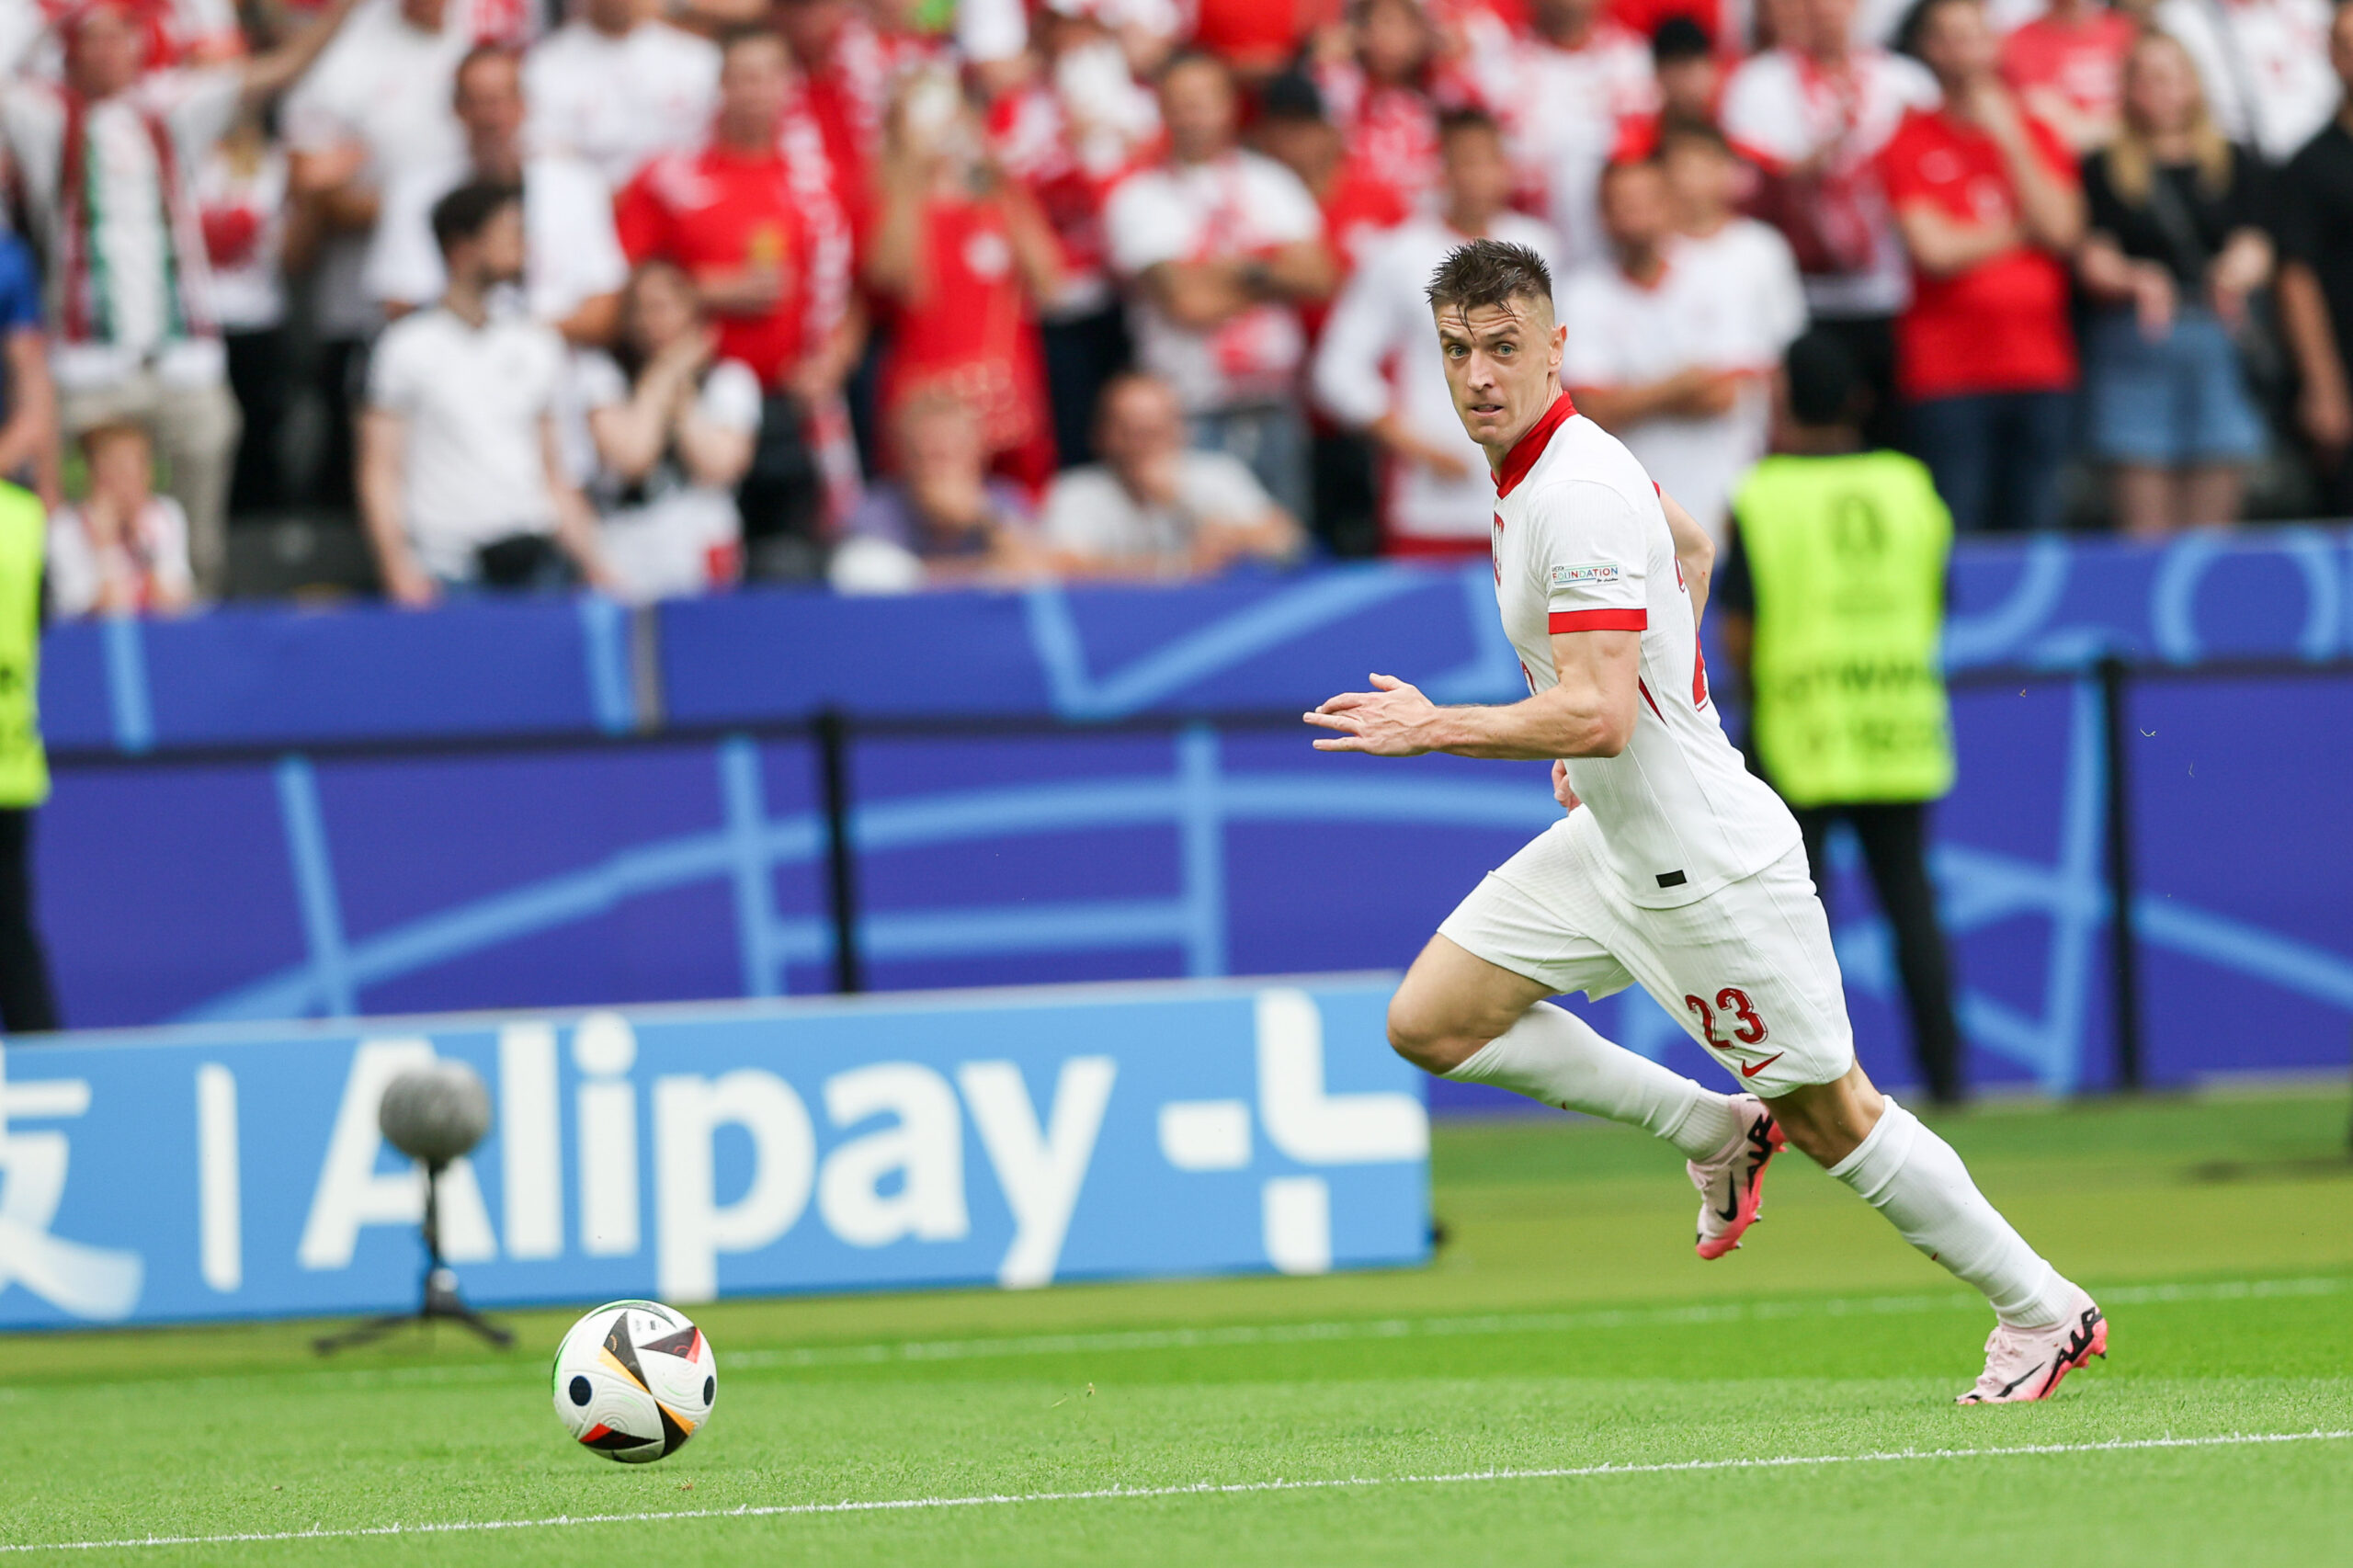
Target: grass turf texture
{"points": [[1564, 1325]]}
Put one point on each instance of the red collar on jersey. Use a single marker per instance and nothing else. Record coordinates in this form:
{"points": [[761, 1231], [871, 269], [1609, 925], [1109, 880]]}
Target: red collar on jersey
{"points": [[1529, 448]]}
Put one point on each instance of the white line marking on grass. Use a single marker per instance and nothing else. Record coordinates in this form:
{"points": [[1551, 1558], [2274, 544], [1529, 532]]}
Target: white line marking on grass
{"points": [[1195, 1489]]}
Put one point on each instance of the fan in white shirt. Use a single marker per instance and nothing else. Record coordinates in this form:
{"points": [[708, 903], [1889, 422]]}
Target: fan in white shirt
{"points": [[2265, 65], [674, 433], [1223, 244], [1562, 97], [1814, 115], [377, 107], [616, 86], [575, 269], [1376, 367], [1673, 343], [462, 478], [123, 549]]}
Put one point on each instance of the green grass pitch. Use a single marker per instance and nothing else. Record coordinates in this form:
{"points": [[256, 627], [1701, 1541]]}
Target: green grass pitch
{"points": [[1790, 1403]]}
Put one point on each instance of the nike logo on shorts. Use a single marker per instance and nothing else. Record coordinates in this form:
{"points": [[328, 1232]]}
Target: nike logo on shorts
{"points": [[1749, 1070]]}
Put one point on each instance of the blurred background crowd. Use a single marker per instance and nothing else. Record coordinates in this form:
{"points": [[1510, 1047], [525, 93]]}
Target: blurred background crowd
{"points": [[439, 297]]}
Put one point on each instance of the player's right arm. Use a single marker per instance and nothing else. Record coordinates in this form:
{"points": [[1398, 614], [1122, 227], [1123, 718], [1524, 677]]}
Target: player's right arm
{"points": [[1589, 713], [1588, 543]]}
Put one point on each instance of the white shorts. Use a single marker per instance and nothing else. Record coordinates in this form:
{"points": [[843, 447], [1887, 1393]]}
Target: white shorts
{"points": [[1748, 970]]}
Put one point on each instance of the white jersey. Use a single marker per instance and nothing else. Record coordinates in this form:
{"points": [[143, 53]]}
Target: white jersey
{"points": [[1581, 544]]}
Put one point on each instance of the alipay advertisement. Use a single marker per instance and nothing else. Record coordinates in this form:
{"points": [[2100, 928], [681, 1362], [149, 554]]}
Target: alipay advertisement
{"points": [[1012, 1138]]}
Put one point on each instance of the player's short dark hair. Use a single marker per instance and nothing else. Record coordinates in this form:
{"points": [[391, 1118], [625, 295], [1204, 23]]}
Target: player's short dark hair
{"points": [[1679, 38], [466, 211], [1489, 272], [1454, 121], [1824, 380]]}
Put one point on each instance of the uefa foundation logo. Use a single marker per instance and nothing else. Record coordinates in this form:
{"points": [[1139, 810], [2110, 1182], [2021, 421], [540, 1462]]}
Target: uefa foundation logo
{"points": [[1014, 1139]]}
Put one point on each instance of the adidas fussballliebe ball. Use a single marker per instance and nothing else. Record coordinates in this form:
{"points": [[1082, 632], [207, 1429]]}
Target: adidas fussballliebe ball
{"points": [[634, 1381]]}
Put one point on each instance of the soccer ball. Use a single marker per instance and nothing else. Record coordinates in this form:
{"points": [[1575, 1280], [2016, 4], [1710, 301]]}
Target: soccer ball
{"points": [[634, 1381]]}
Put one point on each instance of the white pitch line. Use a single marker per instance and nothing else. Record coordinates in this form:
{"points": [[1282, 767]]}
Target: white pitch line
{"points": [[1195, 1489]]}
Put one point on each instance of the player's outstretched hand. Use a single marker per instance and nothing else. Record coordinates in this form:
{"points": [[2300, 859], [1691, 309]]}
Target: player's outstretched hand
{"points": [[1393, 720], [1561, 790]]}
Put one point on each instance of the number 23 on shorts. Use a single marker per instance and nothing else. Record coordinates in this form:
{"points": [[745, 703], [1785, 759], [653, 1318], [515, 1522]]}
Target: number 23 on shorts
{"points": [[1735, 1005]]}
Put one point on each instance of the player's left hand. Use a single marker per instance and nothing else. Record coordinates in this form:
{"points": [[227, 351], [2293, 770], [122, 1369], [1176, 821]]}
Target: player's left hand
{"points": [[1561, 790], [1393, 720]]}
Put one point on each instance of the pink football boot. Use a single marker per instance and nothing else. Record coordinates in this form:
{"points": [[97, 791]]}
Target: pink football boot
{"points": [[2024, 1364], [1732, 1183]]}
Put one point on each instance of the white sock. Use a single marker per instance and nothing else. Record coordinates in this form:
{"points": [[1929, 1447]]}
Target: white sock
{"points": [[1554, 1056], [1913, 1177]]}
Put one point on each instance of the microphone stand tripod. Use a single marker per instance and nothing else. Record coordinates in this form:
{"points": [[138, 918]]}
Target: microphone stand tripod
{"points": [[442, 1300]]}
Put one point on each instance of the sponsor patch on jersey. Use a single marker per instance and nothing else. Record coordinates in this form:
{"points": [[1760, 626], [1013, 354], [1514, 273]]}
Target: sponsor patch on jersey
{"points": [[1584, 574]]}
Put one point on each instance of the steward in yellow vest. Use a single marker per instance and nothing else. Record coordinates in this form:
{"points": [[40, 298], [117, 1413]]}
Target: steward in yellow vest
{"points": [[26, 1003], [1847, 554], [1831, 599]]}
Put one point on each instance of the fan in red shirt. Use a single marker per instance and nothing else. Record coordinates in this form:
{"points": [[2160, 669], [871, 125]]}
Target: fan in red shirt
{"points": [[750, 217], [2067, 68], [1986, 200], [849, 67], [958, 259]]}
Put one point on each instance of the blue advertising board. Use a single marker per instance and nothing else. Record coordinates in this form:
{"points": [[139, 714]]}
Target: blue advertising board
{"points": [[1014, 1138]]}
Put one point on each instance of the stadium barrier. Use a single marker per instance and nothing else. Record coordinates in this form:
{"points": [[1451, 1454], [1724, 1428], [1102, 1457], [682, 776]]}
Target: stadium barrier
{"points": [[267, 815], [1013, 1138]]}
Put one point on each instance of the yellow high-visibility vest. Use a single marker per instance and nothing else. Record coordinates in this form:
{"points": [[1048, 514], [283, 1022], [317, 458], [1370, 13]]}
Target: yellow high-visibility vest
{"points": [[1849, 558], [24, 537]]}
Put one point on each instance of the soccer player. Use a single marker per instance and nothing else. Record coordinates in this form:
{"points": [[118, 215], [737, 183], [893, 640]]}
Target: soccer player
{"points": [[1674, 867]]}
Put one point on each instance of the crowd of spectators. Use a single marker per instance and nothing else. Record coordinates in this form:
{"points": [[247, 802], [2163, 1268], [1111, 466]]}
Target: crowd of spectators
{"points": [[658, 296]]}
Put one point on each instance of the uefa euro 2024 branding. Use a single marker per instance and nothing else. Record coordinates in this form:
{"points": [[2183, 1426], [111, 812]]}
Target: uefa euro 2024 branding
{"points": [[689, 1152]]}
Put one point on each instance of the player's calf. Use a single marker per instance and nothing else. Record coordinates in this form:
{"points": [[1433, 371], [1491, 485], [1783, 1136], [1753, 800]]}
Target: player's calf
{"points": [[1826, 1122]]}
